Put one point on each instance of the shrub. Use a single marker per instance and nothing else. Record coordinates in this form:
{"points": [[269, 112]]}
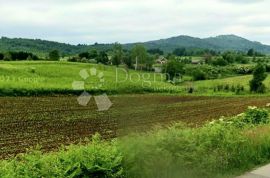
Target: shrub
{"points": [[199, 75], [102, 58], [256, 115], [220, 62], [251, 117], [73, 59], [243, 69], [98, 159], [54, 55], [173, 69], [239, 89], [210, 72]]}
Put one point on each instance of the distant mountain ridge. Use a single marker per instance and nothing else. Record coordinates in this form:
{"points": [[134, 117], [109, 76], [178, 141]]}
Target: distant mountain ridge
{"points": [[218, 43]]}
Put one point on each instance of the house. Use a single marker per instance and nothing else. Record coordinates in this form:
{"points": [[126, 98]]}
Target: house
{"points": [[159, 63], [161, 60], [196, 61]]}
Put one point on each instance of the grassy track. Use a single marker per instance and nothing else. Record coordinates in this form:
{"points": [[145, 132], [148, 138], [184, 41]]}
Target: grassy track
{"points": [[52, 121]]}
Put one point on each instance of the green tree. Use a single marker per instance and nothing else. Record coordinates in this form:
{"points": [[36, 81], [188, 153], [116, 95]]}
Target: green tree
{"points": [[180, 52], [102, 57], [155, 51], [117, 54], [199, 75], [139, 54], [84, 55], [259, 75], [127, 59], [251, 52], [7, 57], [207, 58], [220, 61], [1, 56], [229, 56], [173, 69], [54, 55], [149, 62], [93, 54]]}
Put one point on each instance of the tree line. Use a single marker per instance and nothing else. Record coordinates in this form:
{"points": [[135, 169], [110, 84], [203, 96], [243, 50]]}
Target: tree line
{"points": [[21, 55], [137, 58]]}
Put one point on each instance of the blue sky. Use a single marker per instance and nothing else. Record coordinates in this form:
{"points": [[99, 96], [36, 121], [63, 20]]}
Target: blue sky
{"points": [[106, 21]]}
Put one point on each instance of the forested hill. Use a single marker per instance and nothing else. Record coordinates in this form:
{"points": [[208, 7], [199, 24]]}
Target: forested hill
{"points": [[219, 43], [36, 46]]}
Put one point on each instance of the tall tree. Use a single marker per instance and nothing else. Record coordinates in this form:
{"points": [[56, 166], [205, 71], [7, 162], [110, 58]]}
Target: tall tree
{"points": [[149, 62], [155, 51], [1, 56], [84, 55], [117, 54], [93, 54], [251, 52], [54, 55], [259, 75], [102, 57], [127, 59], [139, 54], [180, 52], [173, 69]]}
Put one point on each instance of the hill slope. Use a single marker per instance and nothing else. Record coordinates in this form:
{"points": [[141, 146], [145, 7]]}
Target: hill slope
{"points": [[233, 42], [219, 43]]}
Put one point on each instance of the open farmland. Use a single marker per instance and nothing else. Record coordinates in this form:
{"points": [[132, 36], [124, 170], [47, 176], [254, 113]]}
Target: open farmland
{"points": [[53, 121]]}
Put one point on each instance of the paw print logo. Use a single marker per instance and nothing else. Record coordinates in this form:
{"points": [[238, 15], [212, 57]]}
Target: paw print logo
{"points": [[102, 101]]}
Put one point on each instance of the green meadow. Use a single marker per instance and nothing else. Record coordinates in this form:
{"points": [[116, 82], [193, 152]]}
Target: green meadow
{"points": [[42, 78]]}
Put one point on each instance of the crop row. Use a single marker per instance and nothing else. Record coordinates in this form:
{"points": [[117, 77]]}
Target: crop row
{"points": [[51, 122]]}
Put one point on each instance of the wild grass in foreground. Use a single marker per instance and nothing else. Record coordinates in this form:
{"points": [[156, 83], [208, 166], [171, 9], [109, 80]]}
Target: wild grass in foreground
{"points": [[222, 148]]}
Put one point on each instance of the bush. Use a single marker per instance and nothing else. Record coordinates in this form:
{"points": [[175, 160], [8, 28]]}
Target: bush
{"points": [[203, 71], [73, 59], [102, 58], [252, 117], [244, 70], [173, 69], [98, 159], [237, 89], [256, 115], [18, 56], [199, 75], [54, 55], [220, 62]]}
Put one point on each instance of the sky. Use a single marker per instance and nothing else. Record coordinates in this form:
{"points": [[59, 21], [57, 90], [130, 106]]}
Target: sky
{"points": [[124, 21]]}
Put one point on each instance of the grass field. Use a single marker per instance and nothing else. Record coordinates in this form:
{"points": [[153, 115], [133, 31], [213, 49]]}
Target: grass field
{"points": [[43, 78], [57, 77], [52, 121]]}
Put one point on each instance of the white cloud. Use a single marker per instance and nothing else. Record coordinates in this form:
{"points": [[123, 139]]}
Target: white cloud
{"points": [[84, 21]]}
